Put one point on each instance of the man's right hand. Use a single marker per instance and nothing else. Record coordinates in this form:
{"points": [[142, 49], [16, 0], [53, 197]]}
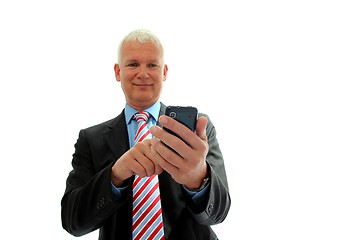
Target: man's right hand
{"points": [[136, 161]]}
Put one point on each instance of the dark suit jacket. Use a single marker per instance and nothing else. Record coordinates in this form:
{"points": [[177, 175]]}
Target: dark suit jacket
{"points": [[88, 202]]}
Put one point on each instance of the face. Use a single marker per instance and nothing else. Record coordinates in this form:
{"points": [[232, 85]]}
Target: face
{"points": [[141, 73]]}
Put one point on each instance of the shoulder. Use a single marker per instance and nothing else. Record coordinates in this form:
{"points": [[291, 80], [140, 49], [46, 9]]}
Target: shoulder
{"points": [[105, 126]]}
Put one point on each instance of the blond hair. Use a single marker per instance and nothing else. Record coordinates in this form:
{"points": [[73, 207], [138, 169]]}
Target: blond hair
{"points": [[141, 36]]}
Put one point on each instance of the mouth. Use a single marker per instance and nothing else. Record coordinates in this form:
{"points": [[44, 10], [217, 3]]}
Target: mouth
{"points": [[142, 84]]}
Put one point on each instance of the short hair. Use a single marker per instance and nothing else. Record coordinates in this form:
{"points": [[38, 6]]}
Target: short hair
{"points": [[141, 36]]}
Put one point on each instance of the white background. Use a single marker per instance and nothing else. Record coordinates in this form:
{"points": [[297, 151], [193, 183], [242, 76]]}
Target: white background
{"points": [[286, 72]]}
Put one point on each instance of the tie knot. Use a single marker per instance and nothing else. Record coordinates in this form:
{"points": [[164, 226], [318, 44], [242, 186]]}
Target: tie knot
{"points": [[141, 116]]}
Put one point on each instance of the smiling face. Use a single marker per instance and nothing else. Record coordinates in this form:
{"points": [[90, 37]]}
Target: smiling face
{"points": [[141, 72]]}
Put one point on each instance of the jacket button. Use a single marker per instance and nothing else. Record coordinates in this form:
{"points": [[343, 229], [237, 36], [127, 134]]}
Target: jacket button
{"points": [[211, 208], [100, 203]]}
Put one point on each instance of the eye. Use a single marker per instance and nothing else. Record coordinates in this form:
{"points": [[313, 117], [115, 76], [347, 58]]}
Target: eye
{"points": [[132, 64], [152, 65]]}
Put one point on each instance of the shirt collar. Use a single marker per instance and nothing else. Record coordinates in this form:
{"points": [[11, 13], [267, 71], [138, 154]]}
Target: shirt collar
{"points": [[153, 110]]}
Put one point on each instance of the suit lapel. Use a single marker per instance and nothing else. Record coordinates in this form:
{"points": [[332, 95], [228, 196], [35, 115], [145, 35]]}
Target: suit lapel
{"points": [[162, 112], [116, 136]]}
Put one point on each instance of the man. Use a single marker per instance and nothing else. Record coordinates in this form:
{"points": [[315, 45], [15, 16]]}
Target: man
{"points": [[190, 169]]}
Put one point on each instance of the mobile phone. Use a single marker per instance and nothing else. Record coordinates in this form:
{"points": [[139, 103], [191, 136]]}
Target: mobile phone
{"points": [[185, 115]]}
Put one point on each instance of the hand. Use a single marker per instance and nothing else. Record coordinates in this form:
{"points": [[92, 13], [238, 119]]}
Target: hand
{"points": [[137, 160], [186, 162]]}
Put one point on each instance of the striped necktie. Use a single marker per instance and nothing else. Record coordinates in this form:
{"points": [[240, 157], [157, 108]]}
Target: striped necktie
{"points": [[146, 215]]}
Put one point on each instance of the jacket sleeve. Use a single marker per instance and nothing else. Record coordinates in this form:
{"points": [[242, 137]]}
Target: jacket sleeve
{"points": [[88, 198], [217, 206]]}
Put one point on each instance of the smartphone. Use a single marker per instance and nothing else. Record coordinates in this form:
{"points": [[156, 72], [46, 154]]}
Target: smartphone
{"points": [[185, 115]]}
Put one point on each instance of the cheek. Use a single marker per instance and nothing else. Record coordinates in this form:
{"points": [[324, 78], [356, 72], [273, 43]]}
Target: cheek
{"points": [[159, 77], [126, 74]]}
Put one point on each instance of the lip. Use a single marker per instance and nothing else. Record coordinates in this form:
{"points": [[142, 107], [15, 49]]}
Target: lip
{"points": [[142, 84]]}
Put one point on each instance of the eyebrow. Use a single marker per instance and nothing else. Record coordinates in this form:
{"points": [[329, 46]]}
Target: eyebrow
{"points": [[135, 60]]}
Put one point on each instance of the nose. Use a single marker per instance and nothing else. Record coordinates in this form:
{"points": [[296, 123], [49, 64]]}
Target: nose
{"points": [[143, 73]]}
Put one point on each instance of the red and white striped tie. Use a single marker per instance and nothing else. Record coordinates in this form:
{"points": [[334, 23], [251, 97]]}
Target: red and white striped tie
{"points": [[146, 215]]}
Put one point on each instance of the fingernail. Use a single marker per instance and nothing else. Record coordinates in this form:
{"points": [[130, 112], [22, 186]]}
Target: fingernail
{"points": [[163, 120], [153, 129]]}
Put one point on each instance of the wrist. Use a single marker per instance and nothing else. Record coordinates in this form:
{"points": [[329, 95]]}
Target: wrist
{"points": [[200, 184], [203, 184], [116, 180]]}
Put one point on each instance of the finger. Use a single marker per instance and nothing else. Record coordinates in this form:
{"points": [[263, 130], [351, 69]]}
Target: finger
{"points": [[170, 141], [147, 164], [184, 132], [157, 167], [175, 126], [200, 131], [142, 155], [137, 167], [164, 157], [201, 128]]}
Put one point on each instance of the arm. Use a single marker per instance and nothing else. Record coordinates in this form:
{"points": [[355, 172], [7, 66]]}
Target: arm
{"points": [[88, 198], [218, 203], [193, 159]]}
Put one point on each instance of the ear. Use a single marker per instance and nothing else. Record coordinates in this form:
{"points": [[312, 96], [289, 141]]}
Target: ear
{"points": [[165, 72], [117, 72]]}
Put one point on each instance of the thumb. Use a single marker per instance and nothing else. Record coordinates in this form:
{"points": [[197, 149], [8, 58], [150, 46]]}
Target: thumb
{"points": [[201, 128]]}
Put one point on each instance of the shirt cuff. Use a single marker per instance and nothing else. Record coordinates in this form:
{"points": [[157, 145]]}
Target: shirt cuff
{"points": [[197, 196], [117, 190]]}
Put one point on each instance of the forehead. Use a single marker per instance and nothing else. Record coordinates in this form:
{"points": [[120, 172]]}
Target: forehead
{"points": [[135, 50]]}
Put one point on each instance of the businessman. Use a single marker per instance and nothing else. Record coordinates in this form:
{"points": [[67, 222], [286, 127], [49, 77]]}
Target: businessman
{"points": [[131, 179]]}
